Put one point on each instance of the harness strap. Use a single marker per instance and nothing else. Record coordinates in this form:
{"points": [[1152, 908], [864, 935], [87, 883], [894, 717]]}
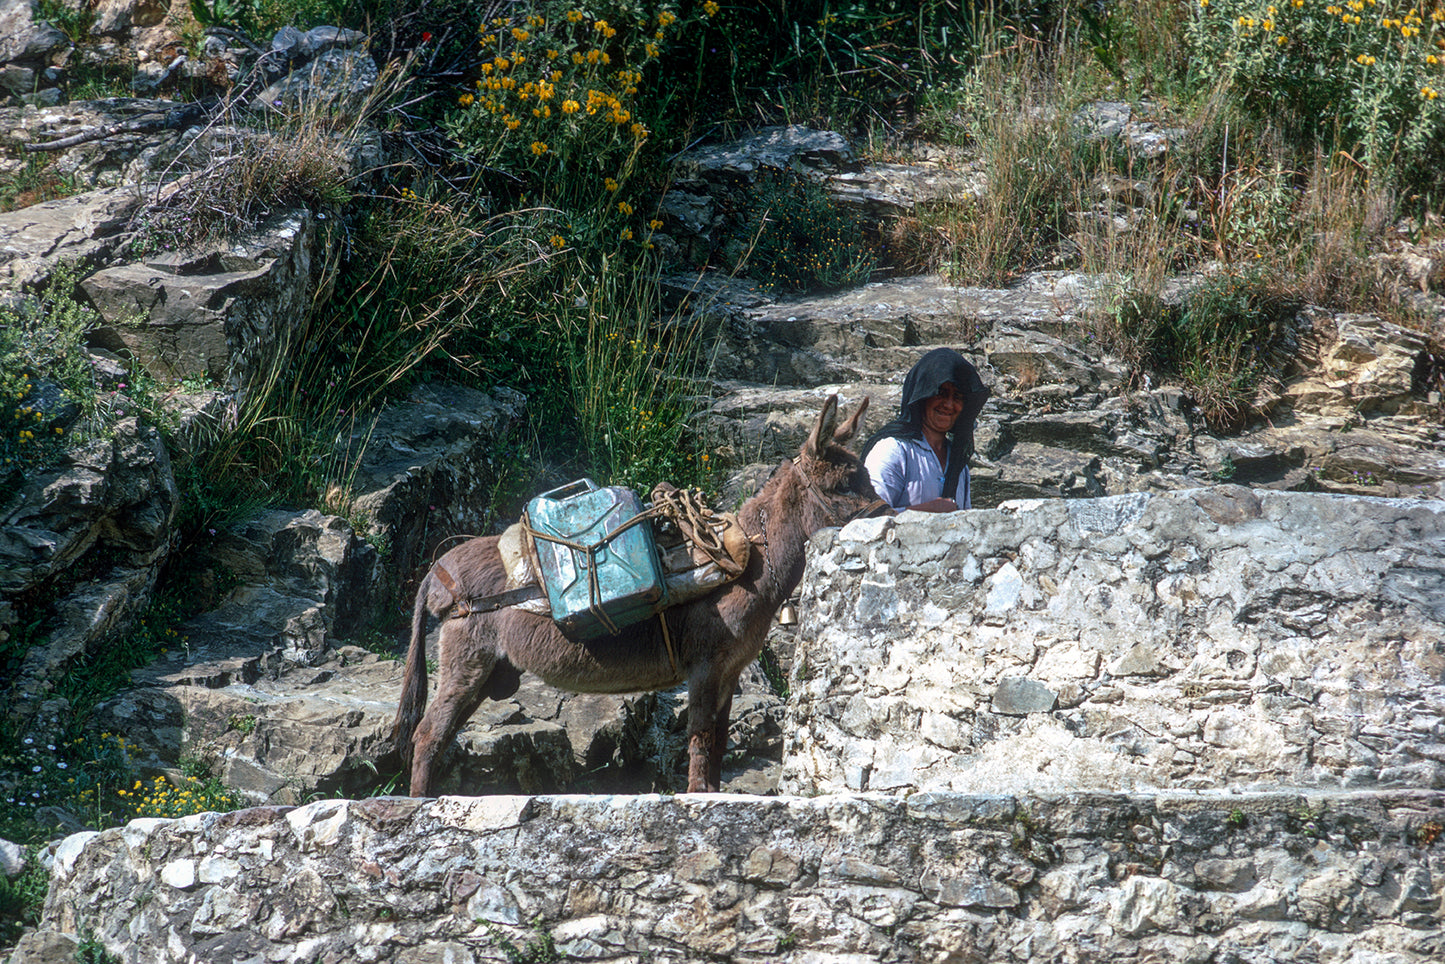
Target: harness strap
{"points": [[667, 641], [463, 606]]}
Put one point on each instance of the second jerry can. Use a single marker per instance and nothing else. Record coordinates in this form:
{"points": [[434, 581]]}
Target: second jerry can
{"points": [[599, 572]]}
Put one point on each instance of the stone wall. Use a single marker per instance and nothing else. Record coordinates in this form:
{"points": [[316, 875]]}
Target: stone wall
{"points": [[1207, 639], [841, 878]]}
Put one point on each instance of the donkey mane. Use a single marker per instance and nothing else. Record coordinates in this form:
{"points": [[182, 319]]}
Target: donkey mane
{"points": [[714, 637]]}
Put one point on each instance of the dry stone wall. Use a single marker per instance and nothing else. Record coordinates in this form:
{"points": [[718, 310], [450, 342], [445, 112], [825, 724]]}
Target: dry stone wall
{"points": [[1210, 639], [842, 878]]}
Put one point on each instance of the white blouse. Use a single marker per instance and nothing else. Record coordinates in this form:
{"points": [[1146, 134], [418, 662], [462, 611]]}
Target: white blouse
{"points": [[906, 472]]}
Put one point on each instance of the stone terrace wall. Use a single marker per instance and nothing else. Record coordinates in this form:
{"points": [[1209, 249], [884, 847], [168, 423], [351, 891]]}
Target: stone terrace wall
{"points": [[843, 879], [1219, 639]]}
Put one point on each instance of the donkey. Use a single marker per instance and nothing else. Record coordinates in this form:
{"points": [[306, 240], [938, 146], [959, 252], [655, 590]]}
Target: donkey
{"points": [[714, 637]]}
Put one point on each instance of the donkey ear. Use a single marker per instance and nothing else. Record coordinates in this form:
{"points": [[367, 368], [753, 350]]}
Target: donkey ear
{"points": [[850, 428], [817, 444]]}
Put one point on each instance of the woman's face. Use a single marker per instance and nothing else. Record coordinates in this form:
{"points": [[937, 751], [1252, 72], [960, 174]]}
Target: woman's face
{"points": [[943, 409]]}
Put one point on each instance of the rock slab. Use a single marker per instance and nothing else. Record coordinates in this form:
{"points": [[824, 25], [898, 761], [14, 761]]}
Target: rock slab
{"points": [[1207, 639]]}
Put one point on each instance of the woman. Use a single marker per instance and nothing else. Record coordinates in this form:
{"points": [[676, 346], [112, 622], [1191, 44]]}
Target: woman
{"points": [[918, 460]]}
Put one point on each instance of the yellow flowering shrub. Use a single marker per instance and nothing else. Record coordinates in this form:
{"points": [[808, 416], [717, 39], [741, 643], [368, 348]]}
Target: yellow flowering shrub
{"points": [[556, 100], [1364, 74]]}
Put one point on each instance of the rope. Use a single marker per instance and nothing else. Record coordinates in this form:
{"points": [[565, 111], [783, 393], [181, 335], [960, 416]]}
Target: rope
{"points": [[700, 525]]}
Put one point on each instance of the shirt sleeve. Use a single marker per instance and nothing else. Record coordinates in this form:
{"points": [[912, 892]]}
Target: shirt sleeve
{"points": [[888, 474]]}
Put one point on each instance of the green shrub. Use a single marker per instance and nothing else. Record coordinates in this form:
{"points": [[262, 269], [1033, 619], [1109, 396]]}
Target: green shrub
{"points": [[22, 899], [46, 382], [1228, 337], [1361, 75], [799, 240]]}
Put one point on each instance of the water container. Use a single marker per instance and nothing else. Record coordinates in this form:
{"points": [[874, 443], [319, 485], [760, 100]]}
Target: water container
{"points": [[628, 586]]}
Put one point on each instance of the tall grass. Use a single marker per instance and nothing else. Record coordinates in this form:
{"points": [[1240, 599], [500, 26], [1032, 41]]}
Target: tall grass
{"points": [[1271, 211]]}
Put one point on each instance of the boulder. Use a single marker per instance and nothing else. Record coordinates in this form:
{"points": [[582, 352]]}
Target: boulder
{"points": [[424, 469], [81, 546], [227, 314], [1207, 639]]}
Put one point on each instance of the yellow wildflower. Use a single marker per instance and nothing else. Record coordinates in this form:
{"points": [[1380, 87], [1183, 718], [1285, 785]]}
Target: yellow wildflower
{"points": [[710, 8], [539, 148], [624, 207], [570, 106]]}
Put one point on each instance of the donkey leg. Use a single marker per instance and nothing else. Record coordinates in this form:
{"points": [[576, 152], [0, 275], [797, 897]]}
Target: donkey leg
{"points": [[462, 678], [719, 746], [707, 702]]}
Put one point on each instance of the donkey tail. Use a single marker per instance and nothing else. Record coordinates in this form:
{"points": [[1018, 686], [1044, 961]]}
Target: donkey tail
{"points": [[413, 684]]}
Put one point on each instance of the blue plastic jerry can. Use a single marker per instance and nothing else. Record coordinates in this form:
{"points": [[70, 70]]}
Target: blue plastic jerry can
{"points": [[600, 573]]}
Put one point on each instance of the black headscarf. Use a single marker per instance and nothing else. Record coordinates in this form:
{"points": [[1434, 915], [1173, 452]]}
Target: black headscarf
{"points": [[922, 383]]}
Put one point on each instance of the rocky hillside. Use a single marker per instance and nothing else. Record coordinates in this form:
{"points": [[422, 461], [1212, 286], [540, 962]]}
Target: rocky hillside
{"points": [[1119, 669]]}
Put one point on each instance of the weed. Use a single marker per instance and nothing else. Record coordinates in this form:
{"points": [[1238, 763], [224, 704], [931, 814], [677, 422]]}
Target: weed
{"points": [[90, 950], [1236, 819], [39, 180], [798, 240], [46, 383], [1229, 336], [21, 898], [540, 950], [773, 671], [189, 795], [245, 725], [73, 21], [1362, 79]]}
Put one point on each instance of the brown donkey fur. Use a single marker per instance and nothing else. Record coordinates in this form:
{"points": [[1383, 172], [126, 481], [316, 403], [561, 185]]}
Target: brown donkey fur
{"points": [[715, 636]]}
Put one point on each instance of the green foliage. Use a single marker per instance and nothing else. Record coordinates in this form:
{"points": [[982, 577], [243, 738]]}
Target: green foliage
{"points": [[1229, 337], [556, 106], [22, 899], [800, 241], [807, 59], [180, 797], [540, 950], [45, 379], [1360, 77], [38, 180], [1036, 166], [73, 20], [90, 950]]}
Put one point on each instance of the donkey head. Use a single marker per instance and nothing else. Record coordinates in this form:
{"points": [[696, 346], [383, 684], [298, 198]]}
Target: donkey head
{"points": [[836, 486]]}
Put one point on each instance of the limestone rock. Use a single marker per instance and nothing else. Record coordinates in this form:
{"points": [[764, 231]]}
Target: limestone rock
{"points": [[86, 227], [424, 471]]}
